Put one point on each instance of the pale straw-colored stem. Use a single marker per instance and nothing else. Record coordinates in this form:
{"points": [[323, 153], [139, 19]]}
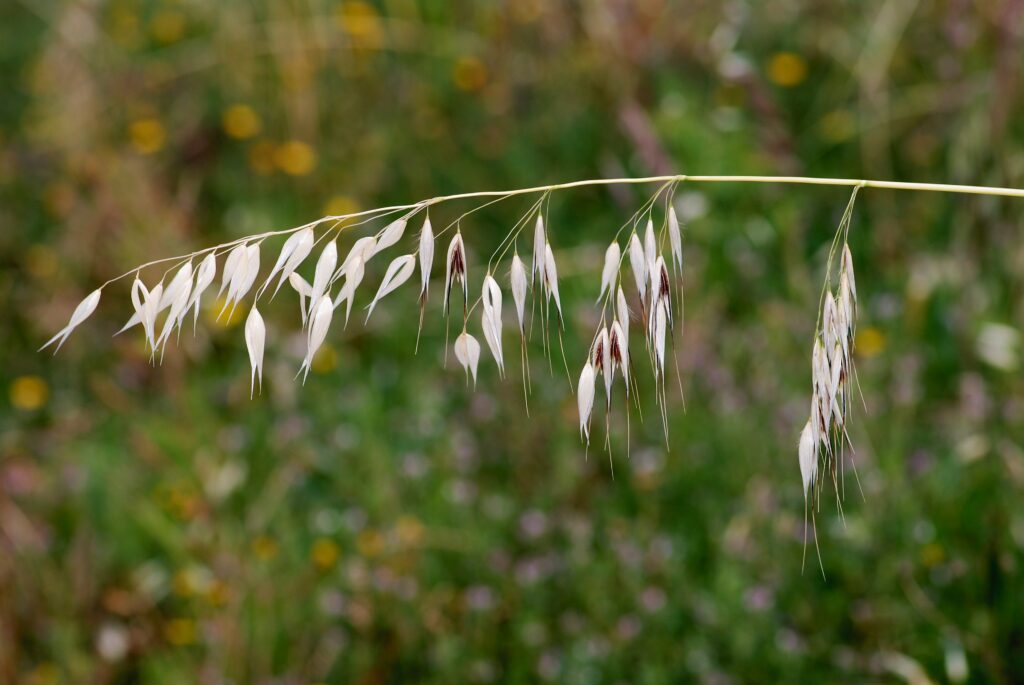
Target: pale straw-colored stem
{"points": [[802, 180]]}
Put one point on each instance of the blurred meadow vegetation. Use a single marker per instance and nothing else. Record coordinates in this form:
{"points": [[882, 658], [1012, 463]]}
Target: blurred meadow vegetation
{"points": [[385, 523]]}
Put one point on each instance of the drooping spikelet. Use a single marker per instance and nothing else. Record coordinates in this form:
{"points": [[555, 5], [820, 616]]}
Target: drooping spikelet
{"points": [[611, 267], [255, 339], [455, 271], [467, 351]]}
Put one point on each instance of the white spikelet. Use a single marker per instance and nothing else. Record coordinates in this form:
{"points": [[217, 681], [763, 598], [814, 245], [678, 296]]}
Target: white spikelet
{"points": [[244, 276], [398, 273], [828, 324], [491, 295], [517, 278], [467, 351], [363, 249], [551, 278], [822, 379], [618, 348], [848, 270], [286, 252], [638, 262], [205, 274], [234, 258], [182, 280], [491, 319], [353, 277], [808, 454], [455, 270], [304, 289], [391, 234], [150, 309], [836, 383], [293, 253], [611, 267], [622, 312], [322, 275], [82, 312], [650, 244], [320, 321], [540, 241], [660, 330], [179, 304], [491, 324], [255, 339], [661, 293], [675, 238], [602, 354], [426, 258], [585, 399], [844, 317]]}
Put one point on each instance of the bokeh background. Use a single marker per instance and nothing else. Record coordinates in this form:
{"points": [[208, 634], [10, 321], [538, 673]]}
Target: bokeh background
{"points": [[387, 524]]}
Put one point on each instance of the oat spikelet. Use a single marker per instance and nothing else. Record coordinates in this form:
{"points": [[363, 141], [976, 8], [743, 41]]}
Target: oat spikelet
{"points": [[426, 258], [618, 348], [391, 234], [204, 277], [808, 454], [491, 320], [255, 338], [235, 257], [398, 272], [622, 312], [304, 289], [425, 254], [611, 267], [467, 351], [322, 275], [638, 263], [601, 356], [675, 240], [293, 252], [353, 277], [455, 272], [244, 276], [540, 241], [650, 244], [585, 399], [551, 279], [517, 279], [320, 321], [82, 312]]}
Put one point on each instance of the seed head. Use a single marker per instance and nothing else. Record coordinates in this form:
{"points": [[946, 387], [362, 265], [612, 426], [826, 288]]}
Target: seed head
{"points": [[426, 256], [675, 239], [585, 399], [391, 234], [255, 337], [517, 278], [82, 312], [808, 456], [638, 263], [455, 271], [551, 278], [398, 273], [611, 267], [467, 351]]}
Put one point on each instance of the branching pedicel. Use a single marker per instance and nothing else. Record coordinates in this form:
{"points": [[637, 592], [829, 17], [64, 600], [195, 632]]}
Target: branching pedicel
{"points": [[162, 310]]}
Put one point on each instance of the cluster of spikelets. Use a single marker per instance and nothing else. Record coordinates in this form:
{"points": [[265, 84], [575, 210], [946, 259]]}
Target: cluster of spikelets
{"points": [[336, 281], [609, 350], [824, 436], [162, 310]]}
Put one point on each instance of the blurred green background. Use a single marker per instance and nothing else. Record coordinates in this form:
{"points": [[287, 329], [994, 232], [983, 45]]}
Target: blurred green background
{"points": [[386, 524]]}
